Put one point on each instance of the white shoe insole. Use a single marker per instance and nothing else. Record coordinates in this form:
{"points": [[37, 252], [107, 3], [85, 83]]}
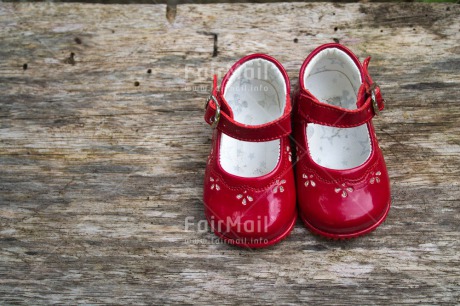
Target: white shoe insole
{"points": [[256, 93], [332, 77]]}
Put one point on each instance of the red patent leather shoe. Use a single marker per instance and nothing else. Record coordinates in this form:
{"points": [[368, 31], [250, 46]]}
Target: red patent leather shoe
{"points": [[249, 188], [343, 188]]}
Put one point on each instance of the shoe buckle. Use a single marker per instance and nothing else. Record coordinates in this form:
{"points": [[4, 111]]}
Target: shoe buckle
{"points": [[216, 118], [375, 106]]}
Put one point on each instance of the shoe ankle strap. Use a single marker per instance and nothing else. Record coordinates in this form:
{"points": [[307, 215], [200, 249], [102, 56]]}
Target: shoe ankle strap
{"points": [[218, 115], [370, 102]]}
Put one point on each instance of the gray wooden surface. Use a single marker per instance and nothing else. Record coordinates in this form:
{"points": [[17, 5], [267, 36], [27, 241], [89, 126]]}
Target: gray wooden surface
{"points": [[98, 175]]}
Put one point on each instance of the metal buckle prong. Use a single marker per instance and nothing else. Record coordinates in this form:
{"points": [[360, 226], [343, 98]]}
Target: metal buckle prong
{"points": [[216, 118], [375, 106]]}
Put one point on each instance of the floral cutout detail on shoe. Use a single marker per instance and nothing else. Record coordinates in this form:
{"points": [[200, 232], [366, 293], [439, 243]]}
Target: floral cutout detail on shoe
{"points": [[289, 152], [375, 177], [245, 198], [279, 186], [309, 180], [210, 157], [214, 184], [297, 153], [344, 189]]}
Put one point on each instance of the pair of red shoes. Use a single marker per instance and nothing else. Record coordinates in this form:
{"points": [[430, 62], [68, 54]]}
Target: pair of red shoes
{"points": [[340, 182]]}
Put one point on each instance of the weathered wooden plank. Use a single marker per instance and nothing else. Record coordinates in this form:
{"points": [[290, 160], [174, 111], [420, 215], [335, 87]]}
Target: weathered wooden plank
{"points": [[98, 175]]}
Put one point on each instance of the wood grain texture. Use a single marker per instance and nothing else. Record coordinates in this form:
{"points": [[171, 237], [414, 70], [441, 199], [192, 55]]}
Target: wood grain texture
{"points": [[98, 175]]}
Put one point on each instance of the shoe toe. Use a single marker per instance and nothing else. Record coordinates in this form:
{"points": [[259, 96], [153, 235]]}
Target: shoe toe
{"points": [[346, 213], [262, 220]]}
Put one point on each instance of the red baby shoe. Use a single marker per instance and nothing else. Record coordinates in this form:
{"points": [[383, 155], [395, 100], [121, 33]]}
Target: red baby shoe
{"points": [[343, 188], [249, 188]]}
